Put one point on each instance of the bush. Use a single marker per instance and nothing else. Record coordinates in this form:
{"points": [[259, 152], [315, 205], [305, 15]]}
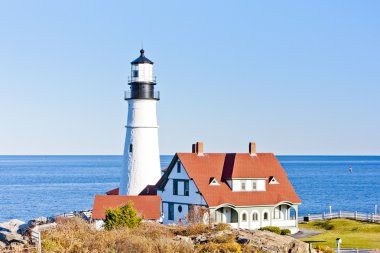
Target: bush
{"points": [[324, 224], [219, 247], [124, 216], [325, 249], [74, 236], [196, 229], [223, 239], [222, 226], [272, 229], [285, 231]]}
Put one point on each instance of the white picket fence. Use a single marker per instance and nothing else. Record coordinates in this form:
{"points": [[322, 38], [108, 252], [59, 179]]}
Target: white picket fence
{"points": [[370, 217]]}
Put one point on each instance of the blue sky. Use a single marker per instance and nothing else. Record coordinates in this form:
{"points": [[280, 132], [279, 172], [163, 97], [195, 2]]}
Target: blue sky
{"points": [[297, 77]]}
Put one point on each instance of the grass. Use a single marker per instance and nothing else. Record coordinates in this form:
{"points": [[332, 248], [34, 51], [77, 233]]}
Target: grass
{"points": [[354, 234]]}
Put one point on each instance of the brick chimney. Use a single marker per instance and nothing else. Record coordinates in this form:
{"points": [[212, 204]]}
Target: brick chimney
{"points": [[252, 148], [198, 148]]}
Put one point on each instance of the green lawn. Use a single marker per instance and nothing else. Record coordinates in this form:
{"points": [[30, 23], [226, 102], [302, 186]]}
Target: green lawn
{"points": [[354, 234]]}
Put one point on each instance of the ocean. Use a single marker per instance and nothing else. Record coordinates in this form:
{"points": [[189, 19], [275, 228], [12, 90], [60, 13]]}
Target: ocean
{"points": [[33, 186]]}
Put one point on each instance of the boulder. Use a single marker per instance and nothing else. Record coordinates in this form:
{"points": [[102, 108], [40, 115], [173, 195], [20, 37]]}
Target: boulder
{"points": [[242, 240], [201, 239], [184, 240], [2, 245], [9, 232], [41, 220], [7, 238], [11, 225]]}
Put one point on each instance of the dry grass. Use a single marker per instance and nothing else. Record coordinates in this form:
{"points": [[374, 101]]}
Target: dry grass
{"points": [[195, 229], [222, 226], [74, 235], [219, 247]]}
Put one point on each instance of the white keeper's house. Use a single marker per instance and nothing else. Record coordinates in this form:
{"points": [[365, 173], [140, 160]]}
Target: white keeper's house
{"points": [[246, 190]]}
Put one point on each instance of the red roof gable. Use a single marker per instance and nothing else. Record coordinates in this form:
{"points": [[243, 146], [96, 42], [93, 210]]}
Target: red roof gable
{"points": [[113, 191], [238, 165], [148, 207]]}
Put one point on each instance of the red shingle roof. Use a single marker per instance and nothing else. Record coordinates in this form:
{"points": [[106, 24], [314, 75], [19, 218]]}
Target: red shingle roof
{"points": [[148, 207], [238, 165]]}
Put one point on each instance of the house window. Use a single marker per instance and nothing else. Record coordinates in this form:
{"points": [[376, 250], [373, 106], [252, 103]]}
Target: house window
{"points": [[171, 211], [130, 148], [181, 187], [265, 216], [186, 190], [178, 167], [175, 187], [135, 73], [244, 217], [243, 186], [254, 186], [180, 209], [255, 217]]}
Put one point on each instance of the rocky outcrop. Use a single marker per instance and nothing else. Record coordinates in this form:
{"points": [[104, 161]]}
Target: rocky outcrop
{"points": [[10, 233], [261, 241]]}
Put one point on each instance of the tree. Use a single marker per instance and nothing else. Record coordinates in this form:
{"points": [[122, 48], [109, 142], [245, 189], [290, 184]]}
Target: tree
{"points": [[123, 216]]}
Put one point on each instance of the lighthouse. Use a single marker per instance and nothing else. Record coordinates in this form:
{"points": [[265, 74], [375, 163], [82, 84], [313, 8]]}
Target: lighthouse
{"points": [[141, 159]]}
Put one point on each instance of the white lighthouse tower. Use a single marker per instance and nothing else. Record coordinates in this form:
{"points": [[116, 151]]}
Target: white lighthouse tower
{"points": [[141, 160]]}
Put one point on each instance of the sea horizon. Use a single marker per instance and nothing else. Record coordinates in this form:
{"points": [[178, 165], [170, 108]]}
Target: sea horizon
{"points": [[47, 185]]}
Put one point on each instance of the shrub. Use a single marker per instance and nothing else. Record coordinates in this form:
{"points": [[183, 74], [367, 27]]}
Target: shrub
{"points": [[195, 229], [74, 236], [223, 239], [325, 249], [272, 229], [197, 214], [285, 231], [219, 247], [124, 216], [324, 224], [222, 226]]}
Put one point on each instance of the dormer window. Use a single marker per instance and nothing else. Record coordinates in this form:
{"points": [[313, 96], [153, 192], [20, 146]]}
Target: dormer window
{"points": [[273, 180], [247, 184], [243, 185], [213, 181]]}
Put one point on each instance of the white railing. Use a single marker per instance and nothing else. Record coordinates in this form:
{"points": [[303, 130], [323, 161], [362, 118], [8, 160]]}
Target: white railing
{"points": [[284, 223], [342, 214]]}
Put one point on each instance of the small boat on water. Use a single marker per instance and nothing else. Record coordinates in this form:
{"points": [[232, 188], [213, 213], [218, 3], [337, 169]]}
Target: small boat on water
{"points": [[350, 169]]}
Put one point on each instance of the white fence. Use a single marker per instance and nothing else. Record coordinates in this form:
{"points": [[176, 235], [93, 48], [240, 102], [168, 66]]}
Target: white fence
{"points": [[370, 217]]}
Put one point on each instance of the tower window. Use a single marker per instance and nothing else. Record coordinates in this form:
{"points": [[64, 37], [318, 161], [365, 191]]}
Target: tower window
{"points": [[178, 167], [130, 148], [135, 73]]}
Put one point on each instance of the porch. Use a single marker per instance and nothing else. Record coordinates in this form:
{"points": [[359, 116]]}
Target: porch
{"points": [[282, 215]]}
